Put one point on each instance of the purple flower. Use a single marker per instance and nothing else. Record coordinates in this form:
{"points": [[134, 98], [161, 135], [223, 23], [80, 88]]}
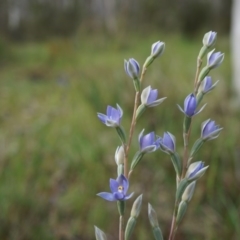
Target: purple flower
{"points": [[132, 68], [209, 39], [157, 49], [196, 170], [149, 97], [210, 130], [190, 106], [119, 188], [168, 143], [214, 59], [113, 117], [207, 85], [148, 143]]}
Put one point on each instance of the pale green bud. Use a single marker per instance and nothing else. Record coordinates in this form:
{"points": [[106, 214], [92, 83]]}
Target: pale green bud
{"points": [[119, 155], [188, 192], [100, 235], [136, 208]]}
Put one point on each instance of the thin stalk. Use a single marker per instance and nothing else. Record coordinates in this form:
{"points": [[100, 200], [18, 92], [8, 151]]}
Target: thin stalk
{"points": [[121, 226], [185, 153], [133, 123], [186, 137], [173, 224], [132, 127], [196, 86]]}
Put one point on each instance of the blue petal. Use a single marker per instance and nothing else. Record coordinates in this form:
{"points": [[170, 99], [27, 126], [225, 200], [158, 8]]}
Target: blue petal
{"points": [[207, 84], [118, 196], [114, 185], [102, 117], [129, 196], [209, 127], [148, 140], [152, 96], [115, 115], [109, 111], [107, 196], [190, 105], [167, 141], [197, 169]]}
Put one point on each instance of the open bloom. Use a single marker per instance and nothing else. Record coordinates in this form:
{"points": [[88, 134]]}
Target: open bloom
{"points": [[190, 106], [214, 59], [149, 97], [148, 143], [168, 143], [157, 49], [196, 170], [119, 188], [209, 39], [113, 116], [210, 130], [132, 68], [207, 85]]}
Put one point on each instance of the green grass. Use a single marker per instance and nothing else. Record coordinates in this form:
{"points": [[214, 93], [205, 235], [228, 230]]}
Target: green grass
{"points": [[56, 155]]}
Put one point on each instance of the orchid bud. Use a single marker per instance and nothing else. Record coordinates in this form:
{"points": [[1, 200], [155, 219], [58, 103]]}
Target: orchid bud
{"points": [[148, 143], [168, 143], [196, 170], [132, 68], [190, 106], [136, 208], [209, 39], [99, 234], [119, 155], [188, 192], [210, 130], [149, 97], [214, 59], [157, 49], [207, 85], [152, 216], [182, 208]]}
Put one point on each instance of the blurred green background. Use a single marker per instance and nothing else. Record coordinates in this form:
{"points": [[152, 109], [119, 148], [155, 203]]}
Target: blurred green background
{"points": [[61, 62]]}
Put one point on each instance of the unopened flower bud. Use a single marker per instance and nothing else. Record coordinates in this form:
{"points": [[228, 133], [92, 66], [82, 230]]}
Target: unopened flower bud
{"points": [[152, 216], [99, 234], [168, 143], [136, 208], [132, 68], [210, 130], [157, 49], [207, 85], [190, 106], [209, 39], [188, 192], [119, 155], [182, 208], [214, 59], [149, 97], [196, 170]]}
